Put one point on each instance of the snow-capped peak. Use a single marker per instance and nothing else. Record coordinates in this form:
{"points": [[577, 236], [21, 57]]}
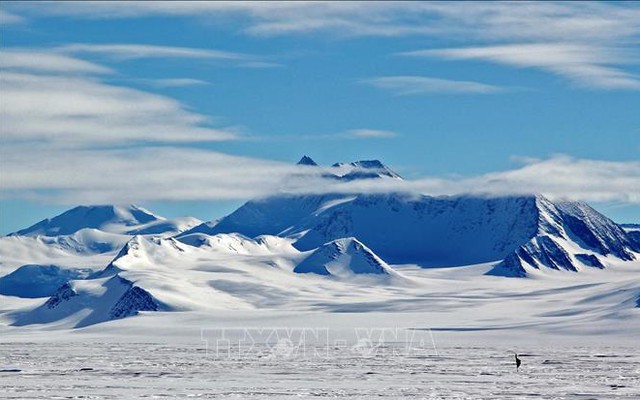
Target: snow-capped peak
{"points": [[369, 164], [344, 257], [108, 218], [364, 169]]}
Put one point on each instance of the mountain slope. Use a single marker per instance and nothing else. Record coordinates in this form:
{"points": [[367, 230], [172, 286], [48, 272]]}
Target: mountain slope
{"points": [[86, 249], [400, 228], [571, 236], [269, 216], [90, 302], [165, 227], [596, 232], [446, 231]]}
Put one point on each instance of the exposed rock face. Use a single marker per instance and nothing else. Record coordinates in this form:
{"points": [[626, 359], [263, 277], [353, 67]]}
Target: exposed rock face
{"points": [[589, 260], [562, 223], [134, 300], [594, 231], [305, 160], [108, 298], [64, 293]]}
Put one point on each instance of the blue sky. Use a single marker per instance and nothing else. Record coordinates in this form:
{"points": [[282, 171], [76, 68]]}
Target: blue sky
{"points": [[192, 108]]}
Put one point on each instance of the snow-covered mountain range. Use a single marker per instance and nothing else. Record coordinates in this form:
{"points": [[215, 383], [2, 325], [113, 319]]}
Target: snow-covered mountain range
{"points": [[131, 220], [530, 232], [96, 263]]}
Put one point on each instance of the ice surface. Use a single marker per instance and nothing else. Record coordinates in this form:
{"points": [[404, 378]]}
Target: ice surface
{"points": [[150, 359]]}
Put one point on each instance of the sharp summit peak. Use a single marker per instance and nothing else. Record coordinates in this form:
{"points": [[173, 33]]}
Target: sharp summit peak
{"points": [[306, 160]]}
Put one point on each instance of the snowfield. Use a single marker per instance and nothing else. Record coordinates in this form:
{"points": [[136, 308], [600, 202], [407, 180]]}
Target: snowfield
{"points": [[448, 334], [173, 355]]}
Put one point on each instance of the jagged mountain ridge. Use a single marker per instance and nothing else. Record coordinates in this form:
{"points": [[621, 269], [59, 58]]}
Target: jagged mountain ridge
{"points": [[365, 169], [280, 213], [90, 230]]}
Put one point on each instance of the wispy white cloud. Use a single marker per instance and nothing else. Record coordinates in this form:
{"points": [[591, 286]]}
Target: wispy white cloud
{"points": [[7, 18], [63, 125], [41, 61], [174, 82], [168, 173], [411, 85], [587, 43], [133, 51], [590, 22], [134, 174], [559, 176], [350, 134], [263, 18], [539, 21], [60, 100], [586, 65], [562, 176], [136, 51], [371, 133]]}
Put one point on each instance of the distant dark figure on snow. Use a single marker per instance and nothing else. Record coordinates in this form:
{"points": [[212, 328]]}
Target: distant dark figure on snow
{"points": [[518, 362]]}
